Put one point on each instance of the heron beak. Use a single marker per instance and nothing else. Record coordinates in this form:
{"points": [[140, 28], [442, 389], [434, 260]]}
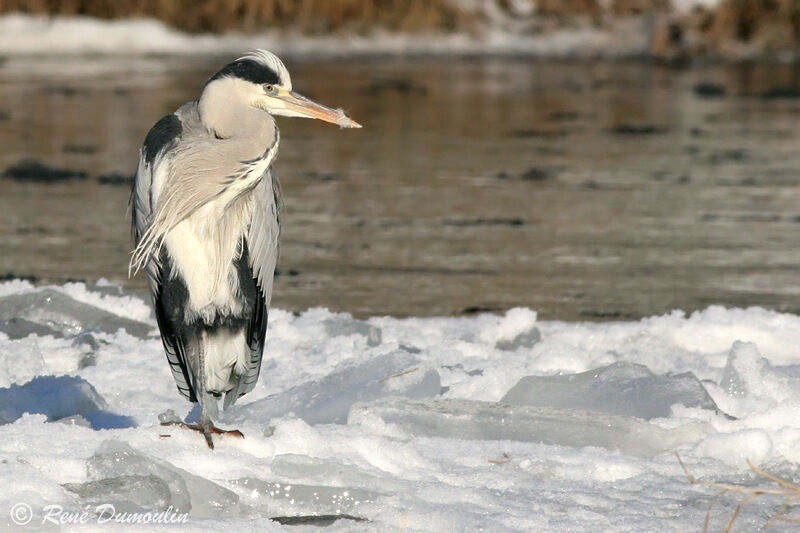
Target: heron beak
{"points": [[302, 105]]}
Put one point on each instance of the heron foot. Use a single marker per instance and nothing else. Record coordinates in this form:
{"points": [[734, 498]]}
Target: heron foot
{"points": [[207, 430]]}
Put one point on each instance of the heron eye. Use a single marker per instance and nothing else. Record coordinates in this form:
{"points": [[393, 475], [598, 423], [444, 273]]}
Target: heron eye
{"points": [[269, 88]]}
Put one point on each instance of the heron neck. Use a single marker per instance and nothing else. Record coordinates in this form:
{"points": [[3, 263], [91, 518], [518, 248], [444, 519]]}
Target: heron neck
{"points": [[226, 119]]}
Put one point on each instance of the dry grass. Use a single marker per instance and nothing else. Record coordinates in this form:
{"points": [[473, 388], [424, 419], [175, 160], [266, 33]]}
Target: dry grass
{"points": [[398, 375], [768, 24], [309, 16], [789, 491], [320, 16], [760, 25], [506, 458]]}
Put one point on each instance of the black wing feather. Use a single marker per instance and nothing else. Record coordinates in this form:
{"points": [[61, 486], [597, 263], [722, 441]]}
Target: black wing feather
{"points": [[256, 332], [169, 302]]}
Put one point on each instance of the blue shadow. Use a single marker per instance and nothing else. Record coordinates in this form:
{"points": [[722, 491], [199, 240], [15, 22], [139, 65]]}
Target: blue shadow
{"points": [[59, 397]]}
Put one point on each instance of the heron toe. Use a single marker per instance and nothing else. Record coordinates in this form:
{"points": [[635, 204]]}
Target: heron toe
{"points": [[207, 430]]}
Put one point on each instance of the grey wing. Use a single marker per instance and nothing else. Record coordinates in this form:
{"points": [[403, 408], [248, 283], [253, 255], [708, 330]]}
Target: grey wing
{"points": [[152, 173], [261, 243], [265, 228], [142, 209]]}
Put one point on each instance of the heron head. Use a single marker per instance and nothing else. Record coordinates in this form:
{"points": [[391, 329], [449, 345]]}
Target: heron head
{"points": [[260, 79]]}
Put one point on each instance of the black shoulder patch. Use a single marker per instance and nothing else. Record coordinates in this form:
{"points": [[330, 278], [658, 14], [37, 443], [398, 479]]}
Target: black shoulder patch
{"points": [[248, 70], [164, 132]]}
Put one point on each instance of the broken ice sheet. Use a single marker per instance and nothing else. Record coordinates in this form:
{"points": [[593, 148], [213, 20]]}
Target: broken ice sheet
{"points": [[328, 400], [54, 312], [187, 492], [621, 388], [290, 499], [333, 471], [476, 420]]}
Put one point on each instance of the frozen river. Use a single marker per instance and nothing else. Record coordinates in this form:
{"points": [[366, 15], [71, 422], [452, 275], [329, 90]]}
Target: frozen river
{"points": [[501, 423], [582, 190]]}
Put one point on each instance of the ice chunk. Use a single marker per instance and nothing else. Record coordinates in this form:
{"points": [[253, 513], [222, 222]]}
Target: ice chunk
{"points": [[524, 339], [328, 400], [620, 388], [114, 460], [169, 417], [48, 308], [187, 492], [517, 329], [290, 499], [344, 324], [136, 493], [58, 397], [106, 288], [20, 361], [475, 420], [19, 328], [88, 345], [75, 420], [87, 341], [87, 359], [747, 374], [743, 358]]}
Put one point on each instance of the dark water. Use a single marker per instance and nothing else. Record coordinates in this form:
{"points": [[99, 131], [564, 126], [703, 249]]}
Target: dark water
{"points": [[582, 190]]}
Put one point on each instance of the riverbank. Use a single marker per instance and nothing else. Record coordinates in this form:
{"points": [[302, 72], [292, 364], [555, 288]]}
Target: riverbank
{"points": [[677, 31]]}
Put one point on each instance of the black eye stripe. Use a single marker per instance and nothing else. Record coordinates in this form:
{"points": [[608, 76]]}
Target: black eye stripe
{"points": [[248, 70]]}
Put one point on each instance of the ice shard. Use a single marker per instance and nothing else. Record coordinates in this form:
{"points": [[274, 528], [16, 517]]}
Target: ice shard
{"points": [[477, 420], [621, 388], [328, 400], [52, 312]]}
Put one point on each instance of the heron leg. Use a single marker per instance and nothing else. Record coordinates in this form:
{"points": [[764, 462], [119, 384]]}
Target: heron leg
{"points": [[208, 402]]}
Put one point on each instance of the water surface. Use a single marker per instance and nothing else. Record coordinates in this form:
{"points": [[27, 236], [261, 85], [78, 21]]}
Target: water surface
{"points": [[581, 190]]}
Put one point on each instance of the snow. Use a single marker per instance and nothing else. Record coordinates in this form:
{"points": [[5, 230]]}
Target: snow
{"points": [[493, 422], [683, 6]]}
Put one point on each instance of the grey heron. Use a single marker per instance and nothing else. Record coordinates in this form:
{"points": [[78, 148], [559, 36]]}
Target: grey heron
{"points": [[205, 208]]}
